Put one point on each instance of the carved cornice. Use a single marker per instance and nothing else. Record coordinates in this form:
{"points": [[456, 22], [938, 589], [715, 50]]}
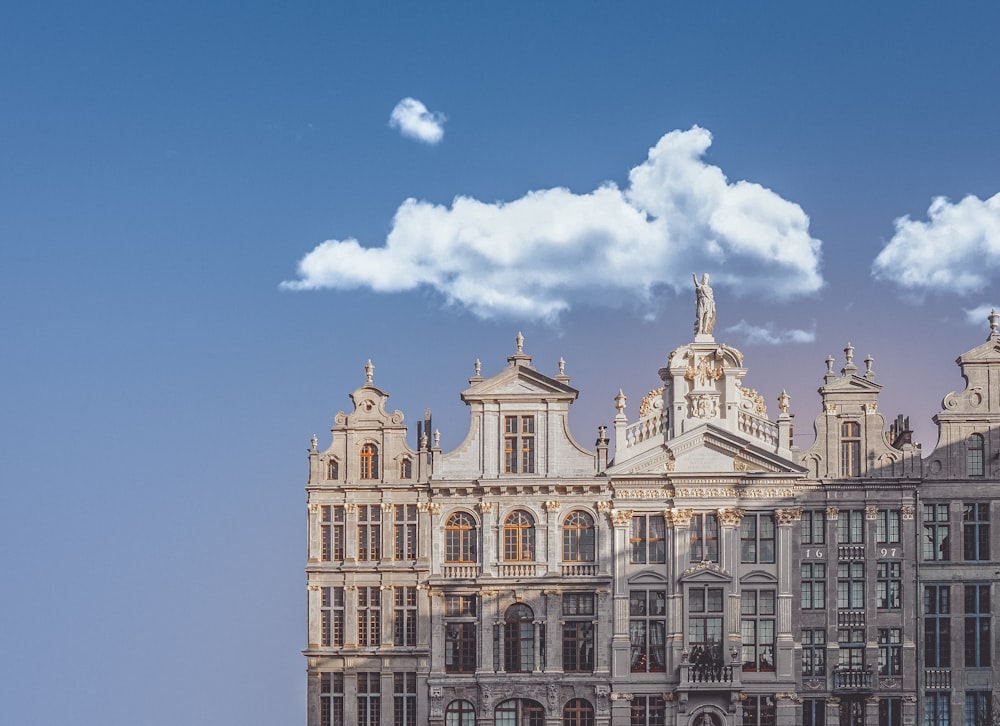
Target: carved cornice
{"points": [[704, 566], [642, 493]]}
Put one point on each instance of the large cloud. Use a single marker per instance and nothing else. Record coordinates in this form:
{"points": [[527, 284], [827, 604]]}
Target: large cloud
{"points": [[413, 119], [537, 256], [956, 250], [769, 334]]}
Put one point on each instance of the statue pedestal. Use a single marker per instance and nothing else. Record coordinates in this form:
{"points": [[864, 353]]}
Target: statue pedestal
{"points": [[704, 338]]}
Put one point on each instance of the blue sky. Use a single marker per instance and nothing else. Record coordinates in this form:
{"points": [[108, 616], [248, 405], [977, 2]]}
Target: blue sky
{"points": [[165, 168]]}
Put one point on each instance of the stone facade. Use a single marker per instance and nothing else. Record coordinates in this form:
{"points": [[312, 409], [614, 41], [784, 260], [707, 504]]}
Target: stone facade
{"points": [[710, 573]]}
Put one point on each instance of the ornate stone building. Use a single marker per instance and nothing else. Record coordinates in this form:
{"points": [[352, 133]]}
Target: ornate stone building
{"points": [[708, 573]]}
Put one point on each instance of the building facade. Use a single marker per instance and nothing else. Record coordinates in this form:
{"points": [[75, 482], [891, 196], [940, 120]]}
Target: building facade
{"points": [[693, 567]]}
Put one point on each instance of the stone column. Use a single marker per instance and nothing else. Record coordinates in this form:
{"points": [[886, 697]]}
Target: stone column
{"points": [[621, 519], [350, 617], [553, 630], [729, 556], [553, 553], [489, 534], [315, 536], [537, 635], [786, 521], [387, 594], [428, 522], [314, 598]]}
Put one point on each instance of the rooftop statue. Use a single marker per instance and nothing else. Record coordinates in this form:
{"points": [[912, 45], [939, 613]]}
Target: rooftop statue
{"points": [[704, 322]]}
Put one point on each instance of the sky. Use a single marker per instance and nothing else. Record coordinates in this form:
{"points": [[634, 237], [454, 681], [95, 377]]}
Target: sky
{"points": [[213, 214]]}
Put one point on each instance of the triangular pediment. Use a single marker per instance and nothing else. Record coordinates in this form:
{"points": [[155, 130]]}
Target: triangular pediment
{"points": [[852, 384], [988, 352], [707, 572], [519, 382]]}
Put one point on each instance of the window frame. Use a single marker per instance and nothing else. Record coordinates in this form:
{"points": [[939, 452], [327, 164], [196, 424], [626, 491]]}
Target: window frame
{"points": [[368, 461], [579, 537], [461, 539], [645, 548], [519, 536], [519, 444], [850, 449]]}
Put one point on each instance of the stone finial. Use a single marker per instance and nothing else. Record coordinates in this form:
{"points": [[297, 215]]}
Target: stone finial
{"points": [[437, 438], [783, 401], [369, 372], [869, 373], [477, 366], [849, 353], [520, 342], [994, 319], [314, 441], [562, 366], [829, 375], [620, 401], [849, 368]]}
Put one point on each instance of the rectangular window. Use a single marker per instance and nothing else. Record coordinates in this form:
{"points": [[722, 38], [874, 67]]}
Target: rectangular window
{"points": [[519, 444], [888, 585], [758, 711], [977, 626], [937, 709], [369, 532], [370, 616], [976, 531], [813, 527], [369, 699], [851, 652], [404, 697], [850, 449], [460, 633], [647, 630], [814, 653], [705, 612], [757, 538], [647, 539], [850, 526], [936, 528], [974, 455], [578, 632], [332, 616], [813, 586], [333, 533], [331, 699], [890, 652], [814, 712], [405, 531], [890, 712], [937, 626], [757, 609], [887, 526], [979, 708], [647, 711], [404, 616], [704, 535], [850, 585]]}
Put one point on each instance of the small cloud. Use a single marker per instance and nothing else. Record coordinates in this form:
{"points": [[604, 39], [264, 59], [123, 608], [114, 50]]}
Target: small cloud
{"points": [[538, 256], [413, 119], [976, 316], [957, 250], [768, 334]]}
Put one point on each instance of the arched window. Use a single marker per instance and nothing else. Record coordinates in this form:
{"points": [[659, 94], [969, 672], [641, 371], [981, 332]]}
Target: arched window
{"points": [[519, 712], [460, 538], [519, 639], [850, 448], [460, 713], [333, 469], [578, 537], [974, 455], [406, 468], [519, 537], [578, 712], [369, 461]]}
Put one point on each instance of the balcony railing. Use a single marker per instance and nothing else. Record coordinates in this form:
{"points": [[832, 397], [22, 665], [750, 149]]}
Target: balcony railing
{"points": [[519, 570], [850, 552], [644, 429], [937, 678], [851, 618], [461, 571], [758, 427], [852, 681], [708, 673], [576, 569]]}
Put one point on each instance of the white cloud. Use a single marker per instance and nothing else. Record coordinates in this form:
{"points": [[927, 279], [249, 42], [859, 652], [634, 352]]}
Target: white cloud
{"points": [[957, 250], [413, 119], [768, 334], [539, 255], [979, 315]]}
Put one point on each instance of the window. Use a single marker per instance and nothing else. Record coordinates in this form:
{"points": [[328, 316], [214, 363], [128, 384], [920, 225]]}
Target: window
{"points": [[404, 615], [976, 531], [852, 712], [331, 699], [936, 532], [519, 537], [519, 444], [974, 455], [757, 538], [404, 697], [519, 639], [460, 633], [890, 712], [369, 461], [977, 626], [979, 708], [332, 616], [705, 607], [850, 449], [704, 538], [851, 655], [890, 652], [405, 531], [369, 532], [936, 709], [578, 712], [814, 712], [887, 526], [813, 527], [646, 539], [850, 585], [888, 585], [757, 629], [406, 468], [519, 712], [850, 526], [369, 699], [578, 632], [814, 653], [460, 538], [648, 711], [578, 537], [332, 469], [370, 616], [758, 711], [460, 713], [333, 533], [813, 586], [937, 626], [647, 627]]}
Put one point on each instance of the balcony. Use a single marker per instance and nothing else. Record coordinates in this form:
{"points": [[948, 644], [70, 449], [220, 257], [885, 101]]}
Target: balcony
{"points": [[935, 678], [466, 572], [520, 570], [576, 569], [853, 681], [710, 673]]}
